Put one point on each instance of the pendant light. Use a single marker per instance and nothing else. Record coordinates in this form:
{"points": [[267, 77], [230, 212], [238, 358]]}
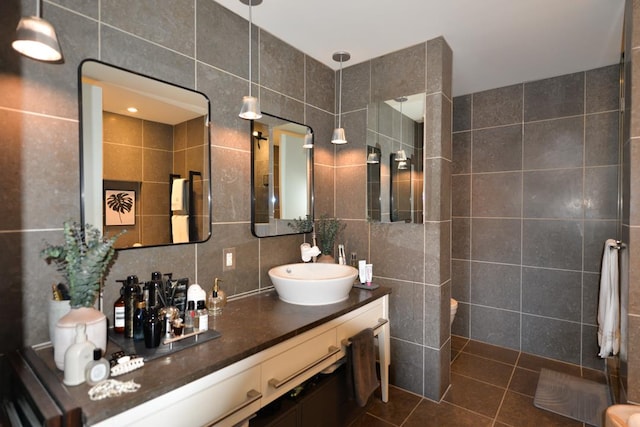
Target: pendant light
{"points": [[36, 38], [338, 133], [308, 139], [372, 157], [401, 155], [250, 104]]}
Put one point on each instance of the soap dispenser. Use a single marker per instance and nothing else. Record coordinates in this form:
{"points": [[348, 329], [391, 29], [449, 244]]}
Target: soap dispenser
{"points": [[217, 298], [77, 357]]}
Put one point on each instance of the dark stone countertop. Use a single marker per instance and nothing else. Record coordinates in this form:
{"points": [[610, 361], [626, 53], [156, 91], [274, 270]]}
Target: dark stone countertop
{"points": [[247, 326]]}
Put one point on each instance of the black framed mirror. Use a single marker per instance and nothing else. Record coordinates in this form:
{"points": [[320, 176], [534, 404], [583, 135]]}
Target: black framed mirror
{"points": [[281, 175], [145, 157]]}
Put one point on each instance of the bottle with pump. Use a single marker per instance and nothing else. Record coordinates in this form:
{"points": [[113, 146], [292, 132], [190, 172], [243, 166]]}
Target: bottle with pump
{"points": [[202, 316], [217, 298], [118, 310], [152, 328], [155, 288], [131, 295], [98, 369], [77, 356], [138, 321]]}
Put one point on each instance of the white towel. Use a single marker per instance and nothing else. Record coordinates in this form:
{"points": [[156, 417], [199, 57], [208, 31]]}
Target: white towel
{"points": [[178, 199], [609, 303], [180, 228]]}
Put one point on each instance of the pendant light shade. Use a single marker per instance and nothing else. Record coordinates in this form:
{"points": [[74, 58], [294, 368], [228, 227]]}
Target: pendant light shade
{"points": [[401, 155], [402, 165], [250, 105], [36, 38], [338, 133], [372, 158]]}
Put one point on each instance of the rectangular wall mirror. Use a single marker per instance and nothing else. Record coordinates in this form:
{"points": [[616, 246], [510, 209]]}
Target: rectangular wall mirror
{"points": [[395, 141], [145, 157], [281, 175]]}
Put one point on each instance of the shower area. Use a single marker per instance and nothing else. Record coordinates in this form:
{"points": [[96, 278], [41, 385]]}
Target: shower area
{"points": [[535, 193]]}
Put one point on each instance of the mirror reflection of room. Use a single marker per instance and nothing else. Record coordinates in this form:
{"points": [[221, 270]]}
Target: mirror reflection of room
{"points": [[282, 175], [146, 158]]}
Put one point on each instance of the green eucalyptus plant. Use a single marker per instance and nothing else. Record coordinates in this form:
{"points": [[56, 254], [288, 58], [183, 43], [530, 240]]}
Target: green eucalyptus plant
{"points": [[82, 259], [302, 225], [327, 230]]}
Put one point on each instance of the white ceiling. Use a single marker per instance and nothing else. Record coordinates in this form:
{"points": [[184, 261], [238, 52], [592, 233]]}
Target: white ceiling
{"points": [[495, 43]]}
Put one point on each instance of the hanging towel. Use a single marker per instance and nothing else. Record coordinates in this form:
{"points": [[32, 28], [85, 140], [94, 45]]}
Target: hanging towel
{"points": [[180, 228], [363, 365], [609, 302], [178, 192]]}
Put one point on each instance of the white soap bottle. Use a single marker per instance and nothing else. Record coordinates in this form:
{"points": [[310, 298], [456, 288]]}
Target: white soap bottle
{"points": [[77, 356]]}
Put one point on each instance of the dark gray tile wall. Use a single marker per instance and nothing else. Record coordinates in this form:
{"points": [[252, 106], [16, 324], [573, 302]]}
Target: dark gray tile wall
{"points": [[207, 52], [534, 197]]}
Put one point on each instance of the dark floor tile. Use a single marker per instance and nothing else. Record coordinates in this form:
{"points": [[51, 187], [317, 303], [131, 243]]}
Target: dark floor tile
{"points": [[479, 368], [535, 363], [368, 420], [518, 410], [400, 405], [593, 375], [458, 343], [429, 414], [493, 352], [474, 395], [524, 381]]}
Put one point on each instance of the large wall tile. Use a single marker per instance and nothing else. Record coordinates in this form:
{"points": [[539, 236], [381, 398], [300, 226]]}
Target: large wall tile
{"points": [[557, 339], [554, 143], [162, 22], [495, 285], [461, 238], [590, 295], [554, 97], [497, 240], [601, 139], [495, 326], [461, 147], [437, 372], [406, 308], [552, 244], [460, 280], [497, 149], [320, 84], [553, 194], [392, 75], [281, 66], [407, 361], [356, 87], [552, 293], [394, 238], [354, 200], [600, 201], [439, 66], [497, 195], [595, 234], [461, 195], [462, 113], [590, 349], [603, 89], [497, 107]]}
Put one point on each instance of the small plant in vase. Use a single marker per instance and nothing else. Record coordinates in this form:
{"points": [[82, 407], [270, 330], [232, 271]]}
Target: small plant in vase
{"points": [[327, 230], [82, 260]]}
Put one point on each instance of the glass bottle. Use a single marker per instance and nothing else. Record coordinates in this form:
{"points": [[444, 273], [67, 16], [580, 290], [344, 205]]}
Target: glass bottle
{"points": [[131, 293], [152, 328], [119, 311], [138, 321], [98, 369], [202, 314], [189, 317], [217, 298]]}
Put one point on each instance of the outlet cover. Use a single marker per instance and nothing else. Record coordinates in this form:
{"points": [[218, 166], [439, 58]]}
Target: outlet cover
{"points": [[228, 259]]}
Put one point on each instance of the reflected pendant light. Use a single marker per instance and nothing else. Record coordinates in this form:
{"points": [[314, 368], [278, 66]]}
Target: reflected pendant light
{"points": [[36, 38], [338, 133], [372, 157], [401, 155], [308, 139], [250, 105]]}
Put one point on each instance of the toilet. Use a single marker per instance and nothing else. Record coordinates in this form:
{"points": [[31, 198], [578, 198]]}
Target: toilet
{"points": [[454, 309]]}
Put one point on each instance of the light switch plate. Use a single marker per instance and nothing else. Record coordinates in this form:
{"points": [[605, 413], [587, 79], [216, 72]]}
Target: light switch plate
{"points": [[228, 259]]}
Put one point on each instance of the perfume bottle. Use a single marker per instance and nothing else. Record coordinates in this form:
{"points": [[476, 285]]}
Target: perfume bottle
{"points": [[98, 369], [217, 298]]}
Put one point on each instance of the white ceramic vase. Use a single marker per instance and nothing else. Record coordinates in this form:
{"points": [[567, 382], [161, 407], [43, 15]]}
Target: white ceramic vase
{"points": [[57, 309], [65, 331], [325, 258]]}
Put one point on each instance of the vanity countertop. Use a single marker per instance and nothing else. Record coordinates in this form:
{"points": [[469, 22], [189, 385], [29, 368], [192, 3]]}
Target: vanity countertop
{"points": [[248, 326]]}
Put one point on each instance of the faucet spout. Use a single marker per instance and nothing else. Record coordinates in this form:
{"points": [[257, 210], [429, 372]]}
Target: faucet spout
{"points": [[307, 252]]}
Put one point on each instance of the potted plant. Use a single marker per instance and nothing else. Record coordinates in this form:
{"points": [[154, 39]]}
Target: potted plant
{"points": [[327, 230], [82, 260]]}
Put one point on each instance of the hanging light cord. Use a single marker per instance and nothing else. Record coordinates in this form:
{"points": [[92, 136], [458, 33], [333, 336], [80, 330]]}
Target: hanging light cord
{"points": [[250, 20], [340, 98]]}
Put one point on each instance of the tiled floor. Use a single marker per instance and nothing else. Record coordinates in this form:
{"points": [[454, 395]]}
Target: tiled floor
{"points": [[490, 386]]}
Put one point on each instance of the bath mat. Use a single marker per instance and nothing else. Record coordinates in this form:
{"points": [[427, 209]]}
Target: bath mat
{"points": [[572, 397]]}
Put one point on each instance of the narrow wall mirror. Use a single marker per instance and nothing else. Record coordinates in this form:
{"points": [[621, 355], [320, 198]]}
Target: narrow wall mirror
{"points": [[145, 157], [395, 138], [281, 175]]}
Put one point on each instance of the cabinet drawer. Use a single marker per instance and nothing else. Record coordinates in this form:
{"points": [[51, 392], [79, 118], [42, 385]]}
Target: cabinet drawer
{"points": [[207, 401], [290, 368], [366, 319]]}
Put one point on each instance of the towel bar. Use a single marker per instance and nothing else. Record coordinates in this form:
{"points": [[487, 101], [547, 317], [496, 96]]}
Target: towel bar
{"points": [[619, 245], [381, 322]]}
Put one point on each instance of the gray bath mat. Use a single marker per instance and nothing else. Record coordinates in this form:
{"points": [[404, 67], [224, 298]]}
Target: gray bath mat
{"points": [[572, 397]]}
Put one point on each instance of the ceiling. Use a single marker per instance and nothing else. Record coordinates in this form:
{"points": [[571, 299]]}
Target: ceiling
{"points": [[495, 43]]}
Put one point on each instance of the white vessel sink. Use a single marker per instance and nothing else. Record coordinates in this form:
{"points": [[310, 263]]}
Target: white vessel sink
{"points": [[313, 283]]}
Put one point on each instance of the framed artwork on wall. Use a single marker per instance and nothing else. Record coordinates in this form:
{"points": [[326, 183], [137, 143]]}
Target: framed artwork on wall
{"points": [[119, 207]]}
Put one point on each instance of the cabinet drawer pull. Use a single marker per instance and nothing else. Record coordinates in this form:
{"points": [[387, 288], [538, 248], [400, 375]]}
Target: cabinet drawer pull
{"points": [[252, 396], [276, 383]]}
